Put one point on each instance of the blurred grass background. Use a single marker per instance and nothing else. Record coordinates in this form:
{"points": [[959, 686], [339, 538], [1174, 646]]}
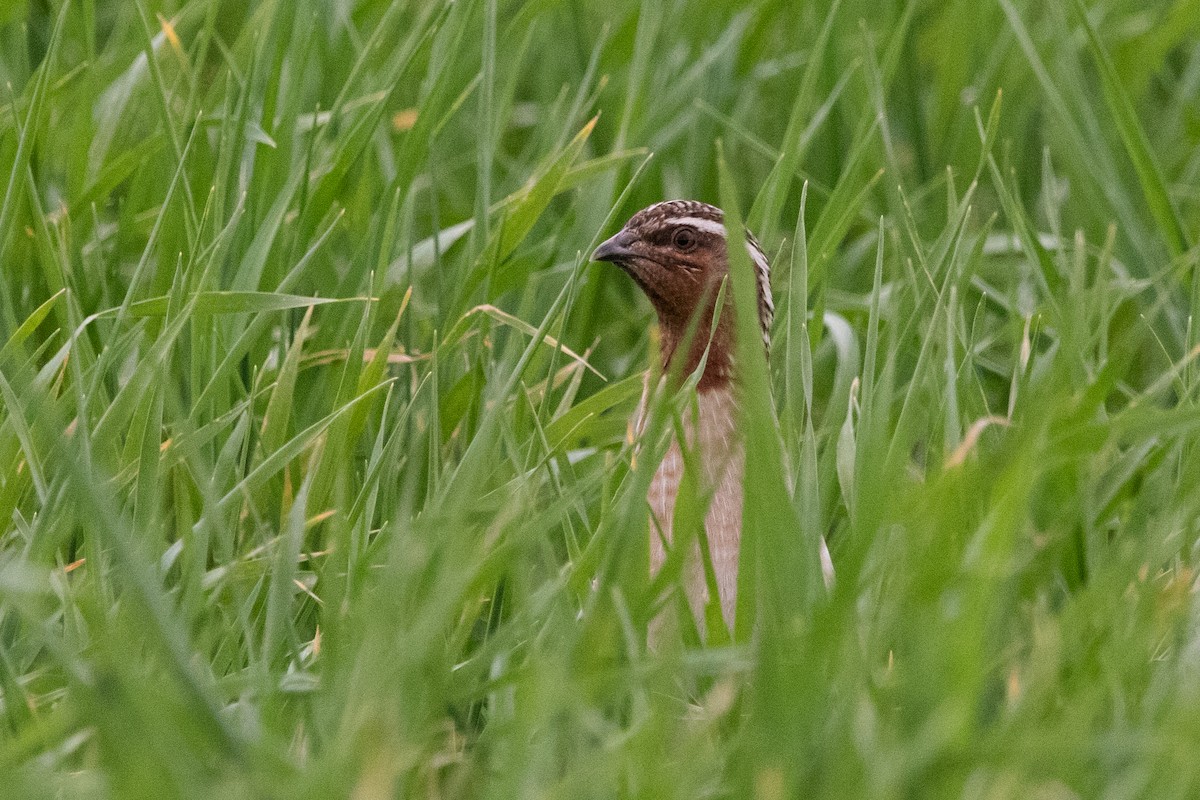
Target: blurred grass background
{"points": [[314, 475]]}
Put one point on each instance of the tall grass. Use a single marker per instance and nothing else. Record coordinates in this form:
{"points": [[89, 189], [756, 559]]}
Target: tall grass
{"points": [[315, 478]]}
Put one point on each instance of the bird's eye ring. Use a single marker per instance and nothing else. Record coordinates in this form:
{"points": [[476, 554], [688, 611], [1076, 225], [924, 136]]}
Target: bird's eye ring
{"points": [[684, 239]]}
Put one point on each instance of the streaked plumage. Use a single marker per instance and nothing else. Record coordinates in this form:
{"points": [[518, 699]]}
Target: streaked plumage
{"points": [[676, 252]]}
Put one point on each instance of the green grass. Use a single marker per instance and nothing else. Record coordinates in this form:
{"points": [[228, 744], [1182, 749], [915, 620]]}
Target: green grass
{"points": [[315, 478]]}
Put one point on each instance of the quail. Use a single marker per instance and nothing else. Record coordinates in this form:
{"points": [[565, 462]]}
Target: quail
{"points": [[675, 252]]}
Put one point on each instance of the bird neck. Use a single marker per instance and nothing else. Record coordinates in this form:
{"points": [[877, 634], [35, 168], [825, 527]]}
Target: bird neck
{"points": [[712, 348]]}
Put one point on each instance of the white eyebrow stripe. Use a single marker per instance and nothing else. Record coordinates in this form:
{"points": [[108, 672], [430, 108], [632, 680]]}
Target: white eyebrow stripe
{"points": [[700, 224]]}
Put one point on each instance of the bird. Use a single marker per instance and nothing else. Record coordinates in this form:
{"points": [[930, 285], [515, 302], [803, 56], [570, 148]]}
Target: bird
{"points": [[675, 251]]}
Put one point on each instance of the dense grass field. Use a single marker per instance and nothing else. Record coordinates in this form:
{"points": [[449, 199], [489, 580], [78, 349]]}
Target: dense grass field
{"points": [[315, 476]]}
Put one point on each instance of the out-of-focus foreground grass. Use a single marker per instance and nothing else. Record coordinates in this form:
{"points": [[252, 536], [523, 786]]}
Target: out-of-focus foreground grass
{"points": [[314, 474]]}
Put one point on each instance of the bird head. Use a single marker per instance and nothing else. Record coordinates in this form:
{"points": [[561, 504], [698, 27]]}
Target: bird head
{"points": [[676, 252]]}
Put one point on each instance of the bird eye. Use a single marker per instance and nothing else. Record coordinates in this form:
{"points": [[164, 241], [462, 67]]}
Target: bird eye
{"points": [[684, 239]]}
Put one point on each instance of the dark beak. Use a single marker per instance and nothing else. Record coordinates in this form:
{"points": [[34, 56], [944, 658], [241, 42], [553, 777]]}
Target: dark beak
{"points": [[617, 249]]}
